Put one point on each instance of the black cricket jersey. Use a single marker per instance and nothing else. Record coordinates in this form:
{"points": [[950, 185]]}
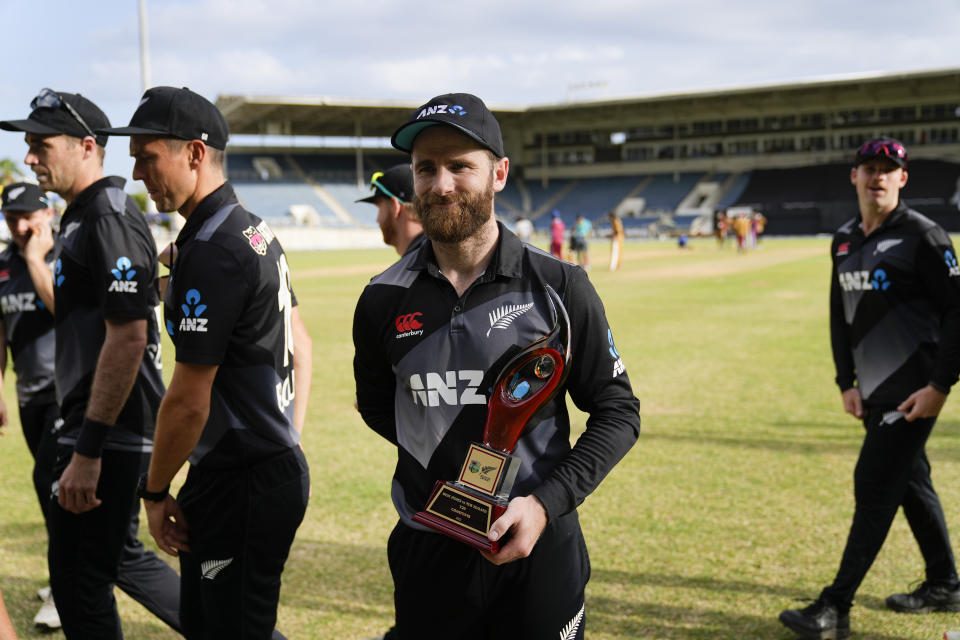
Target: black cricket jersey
{"points": [[229, 303], [895, 307], [106, 267], [28, 328], [426, 359]]}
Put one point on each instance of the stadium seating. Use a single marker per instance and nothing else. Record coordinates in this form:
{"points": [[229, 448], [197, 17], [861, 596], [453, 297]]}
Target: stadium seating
{"points": [[811, 199]]}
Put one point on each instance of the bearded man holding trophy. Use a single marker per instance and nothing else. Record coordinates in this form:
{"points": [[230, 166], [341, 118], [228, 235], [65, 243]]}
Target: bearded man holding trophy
{"points": [[466, 350]]}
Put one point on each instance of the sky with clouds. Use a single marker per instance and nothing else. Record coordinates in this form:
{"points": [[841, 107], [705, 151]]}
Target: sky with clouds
{"points": [[507, 52]]}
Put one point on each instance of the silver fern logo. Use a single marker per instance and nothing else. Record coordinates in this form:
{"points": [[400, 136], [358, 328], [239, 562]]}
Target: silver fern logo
{"points": [[503, 316], [569, 632]]}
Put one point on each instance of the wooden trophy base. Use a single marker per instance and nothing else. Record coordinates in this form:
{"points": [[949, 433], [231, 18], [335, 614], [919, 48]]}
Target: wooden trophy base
{"points": [[463, 515]]}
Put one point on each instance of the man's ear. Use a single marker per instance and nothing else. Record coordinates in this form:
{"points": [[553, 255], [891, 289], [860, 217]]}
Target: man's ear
{"points": [[197, 151]]}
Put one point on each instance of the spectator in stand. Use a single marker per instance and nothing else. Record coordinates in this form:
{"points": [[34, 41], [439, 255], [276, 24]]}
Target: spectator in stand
{"points": [[617, 236], [578, 241], [557, 231], [523, 229]]}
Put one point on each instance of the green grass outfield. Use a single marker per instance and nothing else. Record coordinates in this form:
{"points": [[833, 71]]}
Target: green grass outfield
{"points": [[734, 503]]}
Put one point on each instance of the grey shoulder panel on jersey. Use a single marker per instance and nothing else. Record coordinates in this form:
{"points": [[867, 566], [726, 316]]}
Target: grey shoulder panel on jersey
{"points": [[117, 198], [213, 223], [399, 274]]}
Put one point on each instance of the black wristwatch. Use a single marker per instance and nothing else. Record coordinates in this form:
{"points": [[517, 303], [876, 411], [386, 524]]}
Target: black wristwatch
{"points": [[152, 496]]}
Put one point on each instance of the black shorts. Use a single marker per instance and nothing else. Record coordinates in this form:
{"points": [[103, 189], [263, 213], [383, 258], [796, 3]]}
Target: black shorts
{"points": [[577, 243], [444, 589]]}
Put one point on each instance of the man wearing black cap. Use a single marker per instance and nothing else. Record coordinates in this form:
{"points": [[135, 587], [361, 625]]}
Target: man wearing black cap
{"points": [[393, 197], [107, 373], [429, 333], [237, 400], [26, 327], [895, 332]]}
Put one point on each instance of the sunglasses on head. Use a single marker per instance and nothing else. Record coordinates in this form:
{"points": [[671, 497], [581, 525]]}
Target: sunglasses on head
{"points": [[375, 182], [889, 148], [51, 99]]}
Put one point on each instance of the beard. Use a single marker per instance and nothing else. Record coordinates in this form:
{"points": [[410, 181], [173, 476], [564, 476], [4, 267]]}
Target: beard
{"points": [[470, 213]]}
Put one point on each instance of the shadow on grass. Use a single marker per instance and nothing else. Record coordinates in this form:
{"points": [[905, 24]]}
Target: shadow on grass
{"points": [[787, 444], [609, 576], [642, 620], [631, 619]]}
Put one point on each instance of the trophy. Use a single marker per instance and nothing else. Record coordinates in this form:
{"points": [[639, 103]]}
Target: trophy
{"points": [[465, 508]]}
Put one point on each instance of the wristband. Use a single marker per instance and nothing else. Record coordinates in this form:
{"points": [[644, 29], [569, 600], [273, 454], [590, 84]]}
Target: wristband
{"points": [[152, 496], [91, 437]]}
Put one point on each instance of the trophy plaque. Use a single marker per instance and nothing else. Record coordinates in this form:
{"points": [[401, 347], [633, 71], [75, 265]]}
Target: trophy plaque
{"points": [[465, 508]]}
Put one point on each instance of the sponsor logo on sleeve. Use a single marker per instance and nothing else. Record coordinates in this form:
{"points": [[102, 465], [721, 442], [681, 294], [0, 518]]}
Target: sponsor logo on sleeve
{"points": [[123, 275], [843, 249], [192, 310], [618, 367], [951, 261], [58, 276]]}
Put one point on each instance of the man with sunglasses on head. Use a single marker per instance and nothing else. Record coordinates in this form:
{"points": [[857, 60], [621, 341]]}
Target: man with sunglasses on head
{"points": [[107, 374], [237, 399], [396, 215], [895, 333]]}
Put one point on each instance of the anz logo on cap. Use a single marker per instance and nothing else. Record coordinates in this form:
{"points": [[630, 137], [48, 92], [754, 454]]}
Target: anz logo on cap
{"points": [[455, 110]]}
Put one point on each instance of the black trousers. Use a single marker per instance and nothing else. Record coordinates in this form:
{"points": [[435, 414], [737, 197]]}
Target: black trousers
{"points": [[444, 589], [91, 552], [38, 422], [892, 471], [242, 523]]}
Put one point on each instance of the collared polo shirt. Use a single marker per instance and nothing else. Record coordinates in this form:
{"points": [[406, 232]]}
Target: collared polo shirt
{"points": [[105, 268], [229, 303], [28, 329]]}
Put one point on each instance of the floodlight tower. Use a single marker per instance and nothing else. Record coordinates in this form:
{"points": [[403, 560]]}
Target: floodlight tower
{"points": [[144, 47], [145, 70]]}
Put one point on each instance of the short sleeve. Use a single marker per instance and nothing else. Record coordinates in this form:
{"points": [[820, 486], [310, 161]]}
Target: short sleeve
{"points": [[123, 267], [208, 294]]}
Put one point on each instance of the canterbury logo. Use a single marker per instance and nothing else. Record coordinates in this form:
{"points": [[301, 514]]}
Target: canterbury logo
{"points": [[408, 322], [503, 316], [569, 632], [211, 568]]}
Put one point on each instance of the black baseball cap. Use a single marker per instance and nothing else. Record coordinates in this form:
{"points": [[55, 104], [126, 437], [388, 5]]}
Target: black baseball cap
{"points": [[60, 113], [395, 182], [883, 147], [176, 113], [23, 196], [462, 111]]}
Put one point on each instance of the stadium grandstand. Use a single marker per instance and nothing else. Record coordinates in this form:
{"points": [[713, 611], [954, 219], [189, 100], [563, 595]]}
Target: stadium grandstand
{"points": [[664, 163]]}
